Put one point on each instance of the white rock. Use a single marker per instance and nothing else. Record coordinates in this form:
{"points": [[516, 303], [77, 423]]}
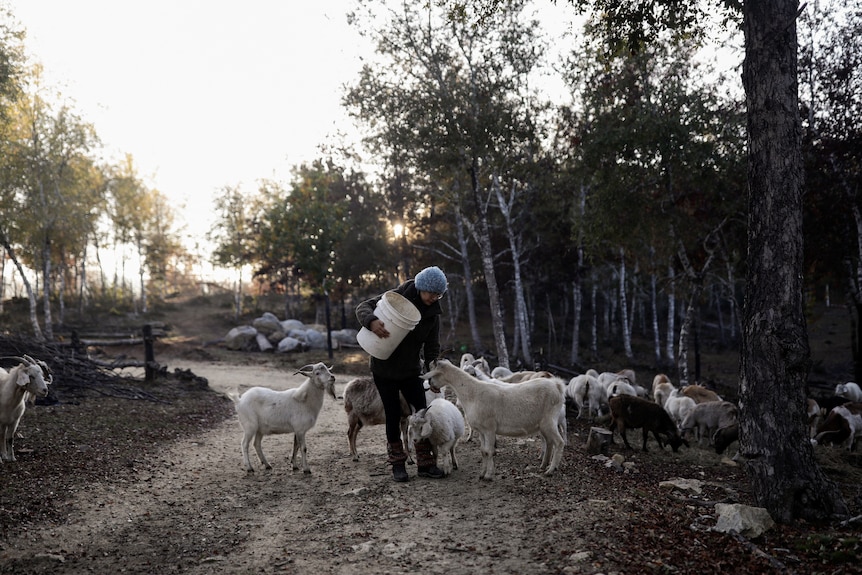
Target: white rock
{"points": [[746, 520], [267, 324], [289, 344], [241, 338]]}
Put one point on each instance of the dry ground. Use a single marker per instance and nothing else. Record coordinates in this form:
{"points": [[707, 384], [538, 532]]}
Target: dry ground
{"points": [[109, 485]]}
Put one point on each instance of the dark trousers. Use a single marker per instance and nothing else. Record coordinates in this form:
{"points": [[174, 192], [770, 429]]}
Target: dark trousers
{"points": [[411, 388]]}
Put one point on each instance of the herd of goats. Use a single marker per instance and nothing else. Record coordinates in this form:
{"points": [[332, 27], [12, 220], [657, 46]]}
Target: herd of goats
{"points": [[471, 399]]}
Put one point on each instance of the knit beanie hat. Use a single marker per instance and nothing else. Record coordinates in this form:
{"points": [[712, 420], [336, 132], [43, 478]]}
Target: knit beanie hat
{"points": [[431, 280]]}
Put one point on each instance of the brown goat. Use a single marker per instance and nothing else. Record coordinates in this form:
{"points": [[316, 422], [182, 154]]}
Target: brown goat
{"points": [[725, 436], [700, 394], [841, 425], [632, 412], [364, 407]]}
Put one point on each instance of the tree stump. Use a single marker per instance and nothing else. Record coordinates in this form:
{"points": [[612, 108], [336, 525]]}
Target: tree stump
{"points": [[599, 440]]}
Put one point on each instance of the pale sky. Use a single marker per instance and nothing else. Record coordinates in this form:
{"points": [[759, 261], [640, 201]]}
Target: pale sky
{"points": [[203, 93]]}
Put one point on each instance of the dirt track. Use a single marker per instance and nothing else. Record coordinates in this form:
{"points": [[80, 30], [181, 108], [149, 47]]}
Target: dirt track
{"points": [[194, 510]]}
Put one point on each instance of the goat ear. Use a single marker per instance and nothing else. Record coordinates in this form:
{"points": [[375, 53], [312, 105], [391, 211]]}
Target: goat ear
{"points": [[23, 377], [426, 429]]}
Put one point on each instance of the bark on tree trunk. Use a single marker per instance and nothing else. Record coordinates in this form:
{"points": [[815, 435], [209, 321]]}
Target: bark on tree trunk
{"points": [[624, 318], [577, 295], [142, 260], [483, 239], [594, 331], [653, 301], [2, 279], [521, 327], [468, 281], [671, 316], [682, 356], [775, 360], [46, 290], [854, 270], [31, 297]]}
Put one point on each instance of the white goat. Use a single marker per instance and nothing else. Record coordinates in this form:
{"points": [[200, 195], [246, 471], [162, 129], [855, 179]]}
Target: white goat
{"points": [[678, 406], [849, 390], [476, 371], [28, 377], [468, 359], [608, 379], [364, 408], [514, 410], [500, 372], [442, 424], [519, 376], [263, 411], [621, 387], [706, 418], [661, 390], [588, 395]]}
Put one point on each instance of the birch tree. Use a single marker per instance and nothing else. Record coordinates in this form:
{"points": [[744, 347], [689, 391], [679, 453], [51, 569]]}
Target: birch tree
{"points": [[453, 95]]}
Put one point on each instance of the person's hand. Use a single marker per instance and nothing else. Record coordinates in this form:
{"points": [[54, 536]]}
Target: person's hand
{"points": [[379, 329]]}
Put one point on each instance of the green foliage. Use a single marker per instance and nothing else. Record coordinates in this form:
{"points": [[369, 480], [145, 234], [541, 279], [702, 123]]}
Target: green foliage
{"points": [[831, 98], [232, 232], [660, 154], [325, 231]]}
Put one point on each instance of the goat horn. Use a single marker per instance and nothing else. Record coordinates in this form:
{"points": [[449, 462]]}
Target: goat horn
{"points": [[16, 358], [302, 370]]}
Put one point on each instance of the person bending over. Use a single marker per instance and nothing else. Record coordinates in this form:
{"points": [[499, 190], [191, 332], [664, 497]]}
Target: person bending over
{"points": [[401, 372]]}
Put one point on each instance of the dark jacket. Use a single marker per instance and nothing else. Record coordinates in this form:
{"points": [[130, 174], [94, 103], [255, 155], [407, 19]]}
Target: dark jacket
{"points": [[422, 343]]}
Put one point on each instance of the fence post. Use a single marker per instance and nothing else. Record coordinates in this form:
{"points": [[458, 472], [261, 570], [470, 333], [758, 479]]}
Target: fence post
{"points": [[149, 354]]}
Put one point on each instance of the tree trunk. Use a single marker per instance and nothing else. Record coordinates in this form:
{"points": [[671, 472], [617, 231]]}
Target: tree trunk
{"points": [[624, 318], [2, 279], [61, 291], [141, 269], [656, 334], [731, 282], [594, 332], [854, 272], [684, 331], [31, 297], [577, 296], [671, 316], [46, 289], [514, 246], [483, 240], [468, 281], [775, 357]]}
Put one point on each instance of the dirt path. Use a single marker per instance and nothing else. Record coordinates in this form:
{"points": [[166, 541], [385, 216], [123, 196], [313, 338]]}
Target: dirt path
{"points": [[194, 510]]}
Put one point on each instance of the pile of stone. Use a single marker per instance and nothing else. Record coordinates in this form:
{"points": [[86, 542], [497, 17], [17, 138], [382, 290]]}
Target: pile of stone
{"points": [[268, 333]]}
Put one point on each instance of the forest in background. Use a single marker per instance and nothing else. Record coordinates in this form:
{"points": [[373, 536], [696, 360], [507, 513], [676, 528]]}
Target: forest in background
{"points": [[560, 223]]}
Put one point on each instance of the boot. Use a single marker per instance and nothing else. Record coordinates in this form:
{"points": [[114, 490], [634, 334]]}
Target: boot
{"points": [[398, 458], [425, 463]]}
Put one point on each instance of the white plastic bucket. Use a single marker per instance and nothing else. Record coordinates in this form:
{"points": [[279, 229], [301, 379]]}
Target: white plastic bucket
{"points": [[399, 316]]}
